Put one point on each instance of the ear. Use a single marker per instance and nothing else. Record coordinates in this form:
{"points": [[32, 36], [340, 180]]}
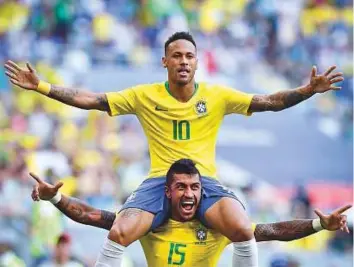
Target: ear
{"points": [[167, 192], [164, 63], [196, 65]]}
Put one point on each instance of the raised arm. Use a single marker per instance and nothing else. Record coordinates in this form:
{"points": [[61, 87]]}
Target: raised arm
{"points": [[286, 99], [27, 79], [296, 229], [72, 207]]}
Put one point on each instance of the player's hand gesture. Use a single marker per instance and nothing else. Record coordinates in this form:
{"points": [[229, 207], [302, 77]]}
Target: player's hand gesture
{"points": [[43, 190], [324, 82], [24, 78], [336, 220]]}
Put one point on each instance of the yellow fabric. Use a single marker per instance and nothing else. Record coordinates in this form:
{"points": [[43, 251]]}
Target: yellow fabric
{"points": [[183, 244], [70, 186], [43, 87], [316, 242], [177, 130]]}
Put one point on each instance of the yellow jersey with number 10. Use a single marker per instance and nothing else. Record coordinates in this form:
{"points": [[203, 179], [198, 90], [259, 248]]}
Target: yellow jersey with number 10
{"points": [[176, 130], [186, 244]]}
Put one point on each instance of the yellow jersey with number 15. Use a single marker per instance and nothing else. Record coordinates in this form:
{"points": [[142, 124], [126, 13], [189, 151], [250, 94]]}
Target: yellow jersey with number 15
{"points": [[185, 244], [176, 130]]}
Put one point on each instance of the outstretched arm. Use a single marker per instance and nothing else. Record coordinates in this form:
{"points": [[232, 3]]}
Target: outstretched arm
{"points": [[296, 229], [85, 214], [27, 79], [72, 207], [286, 99]]}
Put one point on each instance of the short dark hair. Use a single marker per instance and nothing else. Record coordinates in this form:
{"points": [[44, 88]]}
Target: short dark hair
{"points": [[182, 166], [179, 36]]}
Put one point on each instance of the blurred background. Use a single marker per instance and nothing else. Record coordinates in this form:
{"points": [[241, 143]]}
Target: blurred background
{"points": [[281, 164]]}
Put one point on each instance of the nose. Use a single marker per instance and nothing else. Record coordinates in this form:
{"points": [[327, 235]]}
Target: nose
{"points": [[184, 60], [188, 193]]}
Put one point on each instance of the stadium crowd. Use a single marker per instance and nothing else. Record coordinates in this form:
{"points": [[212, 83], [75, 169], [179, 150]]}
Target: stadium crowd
{"points": [[92, 153]]}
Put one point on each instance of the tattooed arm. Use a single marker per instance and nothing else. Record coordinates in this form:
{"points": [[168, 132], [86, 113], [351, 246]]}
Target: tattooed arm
{"points": [[280, 100], [85, 214], [78, 98], [28, 79], [284, 231], [296, 229], [285, 99]]}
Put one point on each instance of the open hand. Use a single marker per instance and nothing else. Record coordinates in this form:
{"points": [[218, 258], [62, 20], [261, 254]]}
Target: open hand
{"points": [[24, 78], [336, 220], [43, 190], [324, 82]]}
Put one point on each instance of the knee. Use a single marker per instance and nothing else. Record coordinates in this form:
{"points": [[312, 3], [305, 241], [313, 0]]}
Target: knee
{"points": [[119, 234], [243, 233]]}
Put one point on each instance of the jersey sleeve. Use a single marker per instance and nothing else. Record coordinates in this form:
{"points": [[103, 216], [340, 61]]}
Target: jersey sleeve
{"points": [[236, 101], [122, 102]]}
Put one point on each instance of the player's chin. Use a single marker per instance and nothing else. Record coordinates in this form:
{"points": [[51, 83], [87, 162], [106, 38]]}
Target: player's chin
{"points": [[187, 215], [182, 81]]}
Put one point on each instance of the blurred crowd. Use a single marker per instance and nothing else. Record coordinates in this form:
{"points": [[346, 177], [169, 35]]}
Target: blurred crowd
{"points": [[91, 152]]}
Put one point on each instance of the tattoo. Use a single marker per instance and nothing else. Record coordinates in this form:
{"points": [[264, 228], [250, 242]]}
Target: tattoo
{"points": [[130, 212], [284, 231], [102, 102], [278, 101], [107, 218], [63, 94], [79, 99], [85, 214]]}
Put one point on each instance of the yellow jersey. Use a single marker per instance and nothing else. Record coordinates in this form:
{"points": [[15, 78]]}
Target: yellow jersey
{"points": [[187, 244], [176, 130]]}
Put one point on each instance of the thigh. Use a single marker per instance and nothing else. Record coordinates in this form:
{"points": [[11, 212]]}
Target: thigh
{"points": [[221, 210], [228, 217]]}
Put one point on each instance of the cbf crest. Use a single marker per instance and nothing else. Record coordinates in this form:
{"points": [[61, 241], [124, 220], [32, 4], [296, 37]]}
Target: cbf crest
{"points": [[201, 107], [201, 233]]}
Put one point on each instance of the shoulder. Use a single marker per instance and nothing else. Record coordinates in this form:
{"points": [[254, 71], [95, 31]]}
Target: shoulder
{"points": [[148, 89]]}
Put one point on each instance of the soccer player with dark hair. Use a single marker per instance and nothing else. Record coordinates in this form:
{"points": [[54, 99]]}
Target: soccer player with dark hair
{"points": [[183, 240], [181, 119]]}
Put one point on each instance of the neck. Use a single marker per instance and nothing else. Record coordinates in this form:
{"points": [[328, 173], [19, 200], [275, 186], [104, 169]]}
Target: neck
{"points": [[182, 92]]}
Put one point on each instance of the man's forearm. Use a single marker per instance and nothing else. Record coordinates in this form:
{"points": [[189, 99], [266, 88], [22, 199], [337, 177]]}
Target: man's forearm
{"points": [[82, 213], [280, 100], [78, 98], [284, 231]]}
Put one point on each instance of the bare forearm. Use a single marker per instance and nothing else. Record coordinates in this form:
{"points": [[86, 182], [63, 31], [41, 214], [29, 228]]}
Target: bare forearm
{"points": [[78, 98], [82, 213], [284, 231], [280, 100]]}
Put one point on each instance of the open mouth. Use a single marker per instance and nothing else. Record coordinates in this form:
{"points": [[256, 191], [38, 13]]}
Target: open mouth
{"points": [[183, 71], [187, 205]]}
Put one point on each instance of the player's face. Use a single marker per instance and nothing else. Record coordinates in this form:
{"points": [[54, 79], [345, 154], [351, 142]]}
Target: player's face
{"points": [[184, 193], [181, 62]]}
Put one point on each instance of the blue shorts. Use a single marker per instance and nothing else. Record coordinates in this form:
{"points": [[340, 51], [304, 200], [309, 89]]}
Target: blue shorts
{"points": [[150, 196]]}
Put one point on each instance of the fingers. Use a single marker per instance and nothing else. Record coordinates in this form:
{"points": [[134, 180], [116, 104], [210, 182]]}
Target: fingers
{"points": [[35, 177], [342, 209], [336, 80], [319, 213], [11, 75], [11, 69], [58, 185], [30, 67], [314, 71], [13, 65], [335, 75], [35, 193], [327, 72]]}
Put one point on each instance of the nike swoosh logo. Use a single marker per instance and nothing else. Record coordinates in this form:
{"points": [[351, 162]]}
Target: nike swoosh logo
{"points": [[158, 108]]}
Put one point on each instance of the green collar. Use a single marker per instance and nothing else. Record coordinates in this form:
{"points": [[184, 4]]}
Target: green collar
{"points": [[167, 86]]}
